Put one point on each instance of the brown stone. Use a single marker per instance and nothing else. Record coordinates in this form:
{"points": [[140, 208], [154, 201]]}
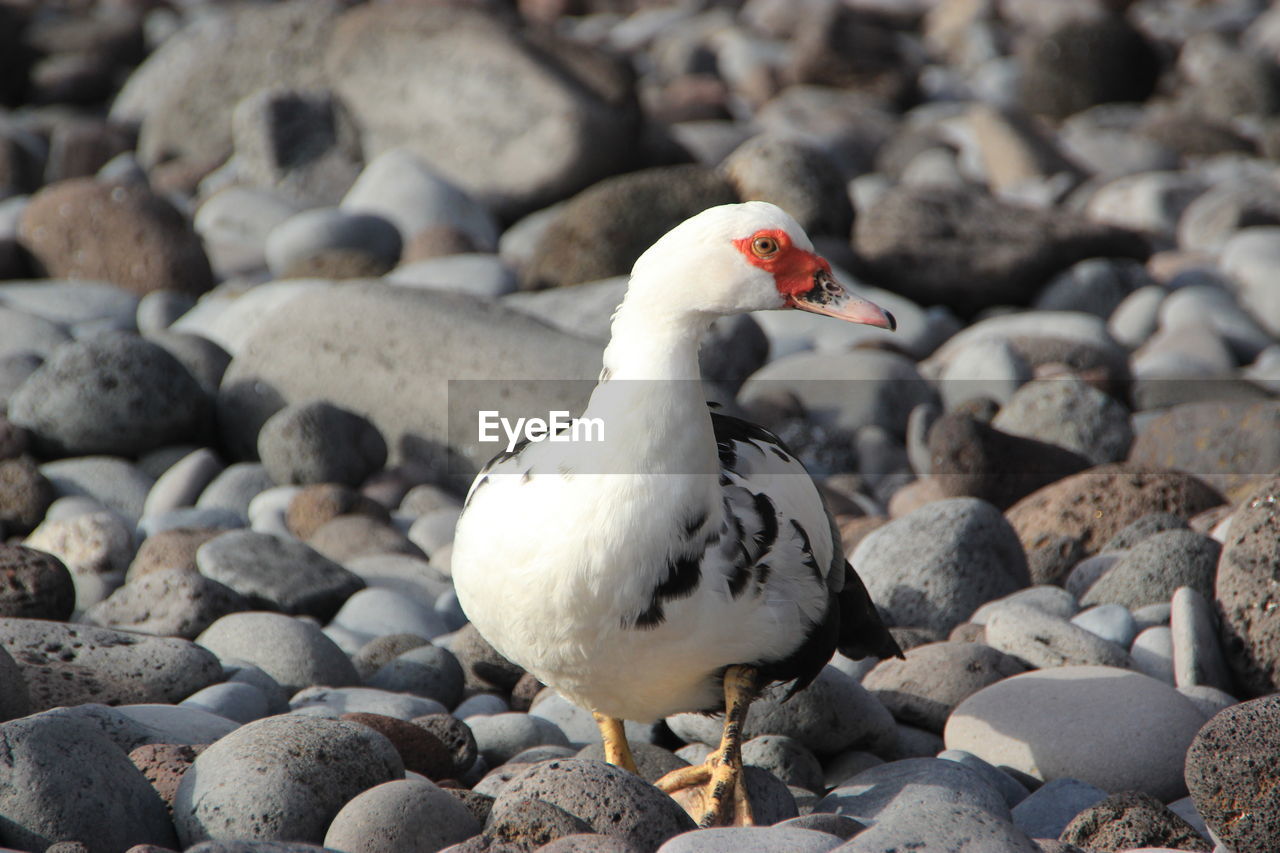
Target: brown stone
{"points": [[420, 750], [164, 765], [523, 694], [455, 735], [316, 505], [34, 585], [124, 234], [25, 494], [1096, 504], [437, 242], [1245, 589], [170, 549], [1229, 445], [1129, 820], [349, 536]]}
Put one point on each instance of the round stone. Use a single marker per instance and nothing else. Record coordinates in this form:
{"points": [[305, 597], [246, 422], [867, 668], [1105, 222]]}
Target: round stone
{"points": [[428, 671], [502, 736], [292, 651], [25, 494], [1069, 413], [282, 777], [903, 786], [1244, 589], [1231, 767], [422, 752], [925, 688], [1132, 820], [1041, 640], [34, 584], [168, 602], [1155, 567], [312, 232], [406, 814], [1116, 729], [934, 567], [317, 442]]}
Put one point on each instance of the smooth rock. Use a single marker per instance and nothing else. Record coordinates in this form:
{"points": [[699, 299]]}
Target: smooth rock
{"points": [[1197, 656], [1112, 622], [752, 840], [292, 651], [502, 736], [483, 276], [963, 554], [167, 602], [1049, 808], [235, 487], [901, 787], [1137, 728], [37, 585], [1011, 789], [428, 671], [333, 702], [305, 236], [184, 481], [577, 723], [1041, 640], [116, 483], [924, 688], [383, 611], [941, 826], [1152, 653], [235, 700], [401, 815], [281, 777], [1046, 598], [1071, 414], [283, 575], [1096, 286]]}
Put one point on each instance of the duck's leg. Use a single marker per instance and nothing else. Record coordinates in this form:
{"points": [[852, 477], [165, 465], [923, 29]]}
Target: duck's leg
{"points": [[616, 749], [715, 792]]}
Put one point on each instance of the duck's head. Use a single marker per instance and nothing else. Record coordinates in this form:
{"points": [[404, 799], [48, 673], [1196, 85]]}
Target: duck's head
{"points": [[744, 257]]}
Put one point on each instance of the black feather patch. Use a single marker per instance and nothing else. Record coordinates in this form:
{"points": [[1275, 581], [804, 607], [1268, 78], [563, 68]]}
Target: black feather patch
{"points": [[683, 575], [809, 562], [768, 533], [694, 523]]}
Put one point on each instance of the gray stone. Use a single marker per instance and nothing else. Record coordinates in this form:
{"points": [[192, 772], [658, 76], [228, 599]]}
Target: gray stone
{"points": [[1010, 788], [1112, 622], [234, 700], [171, 602], [1210, 700], [176, 723], [1096, 286], [577, 723], [66, 781], [989, 369], [113, 393], [761, 839], [203, 359], [399, 186], [503, 736], [428, 671], [1040, 640], [941, 826], [1215, 305], [933, 567], [282, 777], [234, 223], [1249, 258], [1144, 528], [652, 762], [1155, 567], [1071, 414], [1197, 656], [831, 715], [247, 673], [235, 487], [26, 333], [612, 801], [1048, 810], [409, 814], [14, 701], [1136, 318], [304, 236], [901, 787], [1152, 653], [1132, 819], [116, 483], [797, 176], [281, 574], [1147, 201], [1053, 600], [1113, 728], [183, 482], [189, 518], [334, 701], [924, 688], [292, 651], [396, 338], [379, 611], [72, 303], [786, 758], [409, 576], [483, 276], [66, 664], [1085, 573]]}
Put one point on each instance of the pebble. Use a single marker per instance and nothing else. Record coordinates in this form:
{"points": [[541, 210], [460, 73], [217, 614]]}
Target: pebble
{"points": [[886, 791], [860, 720], [172, 602], [1053, 600], [990, 369], [410, 576], [1071, 414], [401, 187], [234, 700], [1229, 765], [1041, 640], [422, 752], [37, 585], [68, 781], [1096, 286], [609, 800], [183, 482], [281, 777], [323, 701], [316, 442], [1112, 622], [503, 736], [1136, 728], [1144, 527], [483, 276], [1152, 653], [116, 484], [379, 611], [1152, 569], [1047, 810], [235, 487], [281, 574], [937, 825], [1011, 789], [350, 536], [234, 223], [428, 671], [188, 518], [1136, 318], [934, 567], [752, 840], [925, 687], [292, 651], [297, 247], [787, 759], [1249, 257], [114, 393], [1197, 655], [398, 815], [67, 664], [312, 507], [578, 724], [1086, 572]]}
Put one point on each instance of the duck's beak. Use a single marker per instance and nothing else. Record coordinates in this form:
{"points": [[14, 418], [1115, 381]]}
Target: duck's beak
{"points": [[830, 297]]}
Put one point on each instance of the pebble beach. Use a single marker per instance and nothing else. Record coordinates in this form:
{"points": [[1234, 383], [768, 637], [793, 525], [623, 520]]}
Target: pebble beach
{"points": [[260, 263]]}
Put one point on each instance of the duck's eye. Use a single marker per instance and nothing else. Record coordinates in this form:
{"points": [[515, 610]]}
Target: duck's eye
{"points": [[764, 247]]}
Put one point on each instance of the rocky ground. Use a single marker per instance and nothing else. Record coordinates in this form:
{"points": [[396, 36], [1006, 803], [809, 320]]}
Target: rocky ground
{"points": [[247, 248]]}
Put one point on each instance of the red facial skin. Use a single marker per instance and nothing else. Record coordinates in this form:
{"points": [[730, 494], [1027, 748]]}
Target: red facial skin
{"points": [[793, 269]]}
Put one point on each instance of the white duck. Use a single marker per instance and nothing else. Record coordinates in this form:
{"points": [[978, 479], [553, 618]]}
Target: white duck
{"points": [[687, 559]]}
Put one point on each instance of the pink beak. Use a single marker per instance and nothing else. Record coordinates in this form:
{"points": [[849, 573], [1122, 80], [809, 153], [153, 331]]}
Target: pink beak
{"points": [[830, 297]]}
